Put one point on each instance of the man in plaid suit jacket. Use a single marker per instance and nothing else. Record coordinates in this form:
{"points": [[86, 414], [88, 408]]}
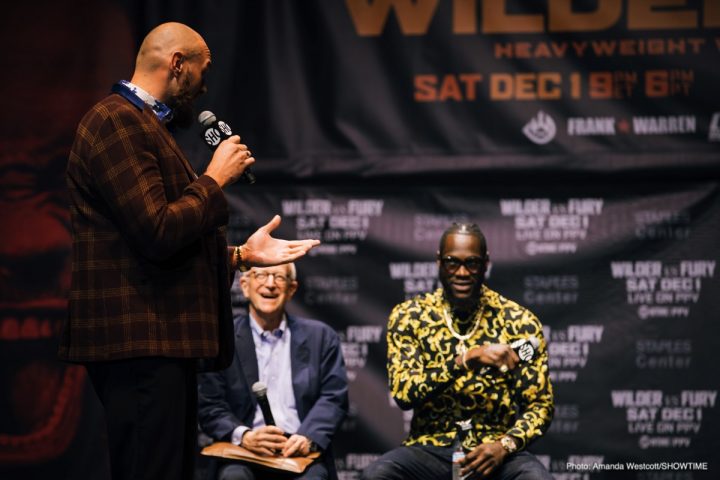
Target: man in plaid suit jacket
{"points": [[151, 268]]}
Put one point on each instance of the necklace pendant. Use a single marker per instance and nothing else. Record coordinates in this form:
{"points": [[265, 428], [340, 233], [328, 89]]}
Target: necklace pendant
{"points": [[460, 349]]}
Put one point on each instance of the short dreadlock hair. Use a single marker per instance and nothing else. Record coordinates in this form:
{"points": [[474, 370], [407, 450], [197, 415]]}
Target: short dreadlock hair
{"points": [[464, 229]]}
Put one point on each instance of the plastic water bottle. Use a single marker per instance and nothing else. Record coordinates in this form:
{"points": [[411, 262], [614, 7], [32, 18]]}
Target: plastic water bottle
{"points": [[457, 455], [458, 452]]}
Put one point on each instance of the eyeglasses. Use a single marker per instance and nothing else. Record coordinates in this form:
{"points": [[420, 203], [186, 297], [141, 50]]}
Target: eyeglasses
{"points": [[278, 278], [471, 264]]}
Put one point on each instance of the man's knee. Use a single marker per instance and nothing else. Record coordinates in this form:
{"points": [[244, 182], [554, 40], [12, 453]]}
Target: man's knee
{"points": [[317, 471], [381, 470], [525, 466], [535, 471]]}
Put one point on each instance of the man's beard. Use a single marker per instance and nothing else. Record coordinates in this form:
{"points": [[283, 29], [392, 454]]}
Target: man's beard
{"points": [[467, 303], [182, 107]]}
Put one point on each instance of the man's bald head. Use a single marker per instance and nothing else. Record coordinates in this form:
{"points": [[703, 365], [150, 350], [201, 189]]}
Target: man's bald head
{"points": [[163, 41], [171, 66]]}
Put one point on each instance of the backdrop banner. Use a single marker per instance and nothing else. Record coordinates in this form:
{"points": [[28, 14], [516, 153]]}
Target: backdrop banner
{"points": [[623, 282], [378, 87]]}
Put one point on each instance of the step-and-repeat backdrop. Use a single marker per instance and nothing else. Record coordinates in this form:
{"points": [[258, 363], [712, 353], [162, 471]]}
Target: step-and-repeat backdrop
{"points": [[624, 282], [582, 136]]}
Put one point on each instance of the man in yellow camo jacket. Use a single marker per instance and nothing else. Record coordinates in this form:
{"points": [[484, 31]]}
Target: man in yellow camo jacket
{"points": [[452, 357]]}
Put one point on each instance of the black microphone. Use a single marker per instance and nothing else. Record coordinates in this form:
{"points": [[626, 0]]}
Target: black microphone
{"points": [[214, 132], [260, 391]]}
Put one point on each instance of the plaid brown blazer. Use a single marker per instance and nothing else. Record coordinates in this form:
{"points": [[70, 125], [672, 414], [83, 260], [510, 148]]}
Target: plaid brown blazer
{"points": [[149, 255]]}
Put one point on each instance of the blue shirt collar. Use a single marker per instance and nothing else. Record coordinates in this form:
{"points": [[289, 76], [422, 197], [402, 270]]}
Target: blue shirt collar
{"points": [[262, 334], [139, 97]]}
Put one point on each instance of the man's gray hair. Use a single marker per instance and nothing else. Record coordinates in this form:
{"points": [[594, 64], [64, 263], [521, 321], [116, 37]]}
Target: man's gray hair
{"points": [[293, 271]]}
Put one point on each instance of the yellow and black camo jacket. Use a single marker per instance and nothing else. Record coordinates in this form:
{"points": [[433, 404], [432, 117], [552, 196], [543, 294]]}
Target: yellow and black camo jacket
{"points": [[423, 374]]}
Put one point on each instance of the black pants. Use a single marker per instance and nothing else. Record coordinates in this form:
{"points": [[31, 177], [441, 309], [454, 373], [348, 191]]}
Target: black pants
{"points": [[151, 415], [434, 463]]}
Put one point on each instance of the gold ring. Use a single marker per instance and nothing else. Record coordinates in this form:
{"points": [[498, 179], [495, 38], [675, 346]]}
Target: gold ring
{"points": [[503, 368]]}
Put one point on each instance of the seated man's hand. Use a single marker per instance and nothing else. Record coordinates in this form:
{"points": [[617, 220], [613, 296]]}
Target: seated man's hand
{"points": [[296, 445], [266, 440], [497, 355], [483, 460]]}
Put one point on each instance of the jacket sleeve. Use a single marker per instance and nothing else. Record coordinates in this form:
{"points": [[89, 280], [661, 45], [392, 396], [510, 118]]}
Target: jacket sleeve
{"points": [[330, 409], [123, 165], [231, 271], [533, 394], [413, 378], [214, 412]]}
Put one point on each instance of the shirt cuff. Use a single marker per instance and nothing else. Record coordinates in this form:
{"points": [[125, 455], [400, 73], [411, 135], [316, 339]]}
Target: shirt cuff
{"points": [[237, 434]]}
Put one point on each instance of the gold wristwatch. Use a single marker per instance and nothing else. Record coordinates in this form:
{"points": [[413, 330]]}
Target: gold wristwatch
{"points": [[508, 444]]}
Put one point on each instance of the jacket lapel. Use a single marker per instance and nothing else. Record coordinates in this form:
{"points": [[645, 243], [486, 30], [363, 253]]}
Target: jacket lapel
{"points": [[245, 350], [300, 360], [171, 141]]}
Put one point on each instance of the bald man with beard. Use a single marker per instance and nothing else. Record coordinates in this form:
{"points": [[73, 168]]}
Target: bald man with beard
{"points": [[151, 269]]}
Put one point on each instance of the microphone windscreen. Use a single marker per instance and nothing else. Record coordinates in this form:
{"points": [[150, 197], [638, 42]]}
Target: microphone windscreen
{"points": [[526, 348], [206, 118], [259, 389]]}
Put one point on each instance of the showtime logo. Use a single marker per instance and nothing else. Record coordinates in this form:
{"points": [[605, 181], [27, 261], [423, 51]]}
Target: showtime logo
{"points": [[540, 129]]}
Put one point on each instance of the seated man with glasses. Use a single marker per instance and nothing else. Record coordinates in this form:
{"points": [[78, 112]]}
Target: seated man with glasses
{"points": [[451, 359], [299, 360]]}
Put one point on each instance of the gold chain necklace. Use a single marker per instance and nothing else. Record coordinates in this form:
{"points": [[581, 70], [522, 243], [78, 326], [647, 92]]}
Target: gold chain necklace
{"points": [[460, 348]]}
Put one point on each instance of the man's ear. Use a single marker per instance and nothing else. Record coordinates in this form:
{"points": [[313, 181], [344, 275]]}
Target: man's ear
{"points": [[244, 285], [488, 266], [292, 288], [176, 63]]}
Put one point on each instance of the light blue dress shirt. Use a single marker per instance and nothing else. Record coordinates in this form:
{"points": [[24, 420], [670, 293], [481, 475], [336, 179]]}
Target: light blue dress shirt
{"points": [[272, 349]]}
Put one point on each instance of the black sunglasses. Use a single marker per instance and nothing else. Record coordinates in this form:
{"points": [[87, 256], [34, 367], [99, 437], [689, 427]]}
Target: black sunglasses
{"points": [[471, 264]]}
